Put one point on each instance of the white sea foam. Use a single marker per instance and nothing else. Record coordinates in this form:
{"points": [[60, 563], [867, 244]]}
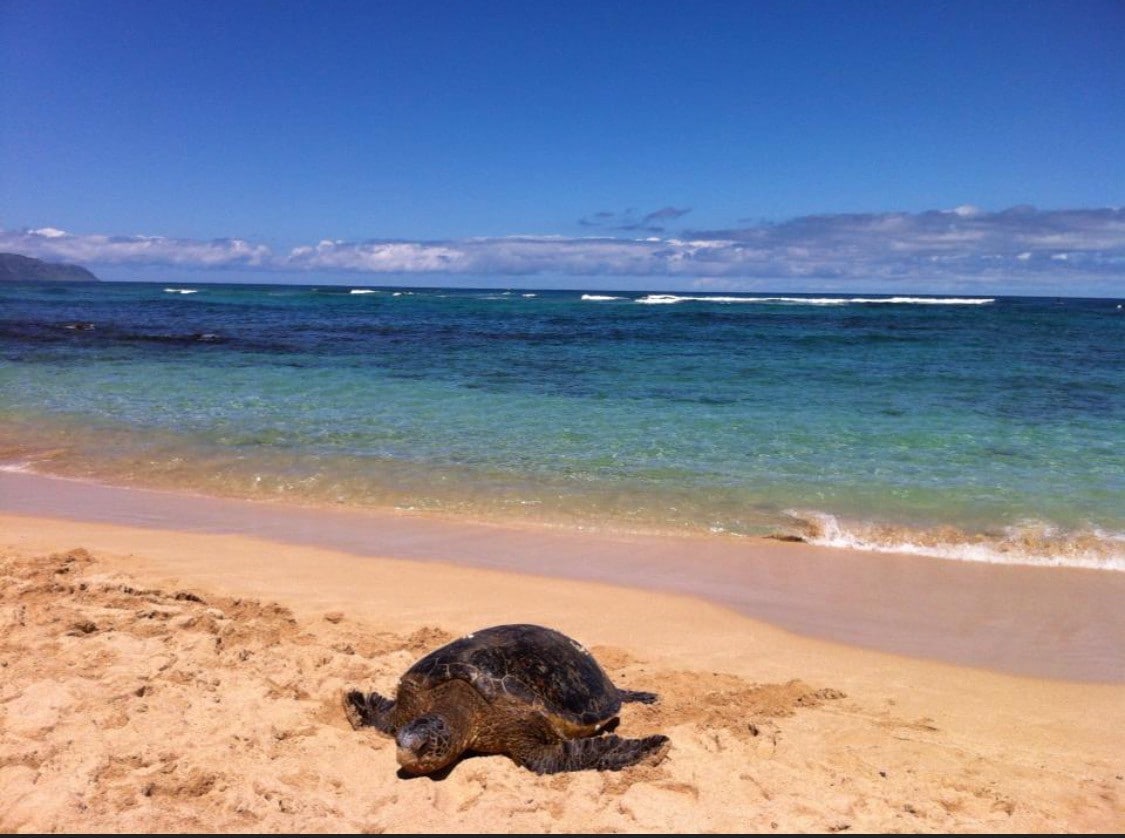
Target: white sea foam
{"points": [[668, 299], [1029, 543], [181, 291], [599, 298], [362, 291], [923, 301]]}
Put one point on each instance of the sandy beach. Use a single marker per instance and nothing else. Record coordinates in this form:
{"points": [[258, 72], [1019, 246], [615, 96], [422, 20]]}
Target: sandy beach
{"points": [[166, 680]]}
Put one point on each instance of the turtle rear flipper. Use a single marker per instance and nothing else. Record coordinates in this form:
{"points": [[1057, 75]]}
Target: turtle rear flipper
{"points": [[638, 696], [369, 710], [599, 753]]}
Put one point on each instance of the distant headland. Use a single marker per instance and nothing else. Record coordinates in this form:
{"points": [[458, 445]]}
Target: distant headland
{"points": [[17, 268]]}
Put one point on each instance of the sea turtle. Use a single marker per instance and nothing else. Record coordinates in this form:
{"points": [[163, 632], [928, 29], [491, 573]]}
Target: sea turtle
{"points": [[522, 690]]}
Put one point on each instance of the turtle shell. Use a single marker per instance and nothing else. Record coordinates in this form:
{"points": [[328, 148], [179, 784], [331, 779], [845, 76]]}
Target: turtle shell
{"points": [[528, 663]]}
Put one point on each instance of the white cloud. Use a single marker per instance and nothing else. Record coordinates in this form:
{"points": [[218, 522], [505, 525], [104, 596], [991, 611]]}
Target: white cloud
{"points": [[376, 257], [58, 245], [967, 211]]}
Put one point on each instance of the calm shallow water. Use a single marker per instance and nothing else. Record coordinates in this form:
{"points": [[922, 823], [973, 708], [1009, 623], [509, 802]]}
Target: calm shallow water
{"points": [[970, 428]]}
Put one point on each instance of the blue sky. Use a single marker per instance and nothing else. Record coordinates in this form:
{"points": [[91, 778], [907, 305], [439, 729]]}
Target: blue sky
{"points": [[918, 146]]}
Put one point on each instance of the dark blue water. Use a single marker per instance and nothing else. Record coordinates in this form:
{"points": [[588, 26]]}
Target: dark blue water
{"points": [[982, 429]]}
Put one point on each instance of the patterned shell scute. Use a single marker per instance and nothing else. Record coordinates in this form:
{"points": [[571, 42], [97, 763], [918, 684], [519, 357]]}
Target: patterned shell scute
{"points": [[533, 664]]}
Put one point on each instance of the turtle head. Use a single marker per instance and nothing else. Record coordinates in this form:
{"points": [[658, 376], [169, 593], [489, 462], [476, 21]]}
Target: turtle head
{"points": [[426, 744]]}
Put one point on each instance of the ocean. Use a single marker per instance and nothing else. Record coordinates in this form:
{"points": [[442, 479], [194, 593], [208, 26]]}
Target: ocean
{"points": [[974, 428]]}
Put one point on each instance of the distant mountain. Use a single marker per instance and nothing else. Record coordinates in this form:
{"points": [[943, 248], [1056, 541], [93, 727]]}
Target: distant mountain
{"points": [[16, 268]]}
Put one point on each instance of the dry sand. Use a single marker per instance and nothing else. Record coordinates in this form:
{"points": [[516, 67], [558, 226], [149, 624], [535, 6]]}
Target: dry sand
{"points": [[153, 680]]}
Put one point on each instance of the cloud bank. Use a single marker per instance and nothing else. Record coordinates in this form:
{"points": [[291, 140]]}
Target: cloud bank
{"points": [[964, 247]]}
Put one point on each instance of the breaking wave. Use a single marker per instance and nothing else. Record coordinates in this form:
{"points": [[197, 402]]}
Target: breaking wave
{"points": [[1027, 543], [669, 299]]}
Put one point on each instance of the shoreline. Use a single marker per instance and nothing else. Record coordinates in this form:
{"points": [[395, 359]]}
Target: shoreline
{"points": [[1058, 623]]}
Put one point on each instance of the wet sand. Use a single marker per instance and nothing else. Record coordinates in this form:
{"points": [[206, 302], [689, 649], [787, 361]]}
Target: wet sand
{"points": [[177, 664], [1040, 621]]}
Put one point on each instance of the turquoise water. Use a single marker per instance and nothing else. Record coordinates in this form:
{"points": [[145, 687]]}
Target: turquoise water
{"points": [[973, 428]]}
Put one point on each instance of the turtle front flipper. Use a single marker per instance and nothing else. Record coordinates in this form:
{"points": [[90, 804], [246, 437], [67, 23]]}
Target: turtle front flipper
{"points": [[369, 710], [598, 753]]}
